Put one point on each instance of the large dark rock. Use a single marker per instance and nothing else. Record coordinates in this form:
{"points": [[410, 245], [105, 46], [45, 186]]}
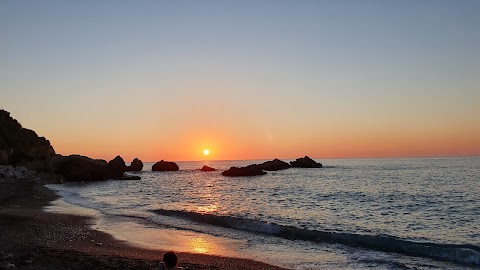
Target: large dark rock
{"points": [[250, 170], [22, 147], [305, 162], [273, 165], [165, 166], [117, 167], [135, 166], [80, 168], [207, 169]]}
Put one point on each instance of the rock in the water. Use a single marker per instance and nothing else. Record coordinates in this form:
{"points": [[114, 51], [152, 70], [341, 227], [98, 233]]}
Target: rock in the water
{"points": [[117, 167], [250, 170], [165, 166], [130, 177], [21, 146], [80, 168], [273, 165], [207, 169], [135, 166], [305, 162]]}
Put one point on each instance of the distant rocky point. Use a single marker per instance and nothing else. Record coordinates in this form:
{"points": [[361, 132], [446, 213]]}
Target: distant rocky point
{"points": [[305, 162], [27, 155], [250, 170], [22, 147], [135, 166], [207, 169], [165, 166]]}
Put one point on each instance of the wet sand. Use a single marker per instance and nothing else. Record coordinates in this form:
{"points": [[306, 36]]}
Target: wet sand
{"points": [[33, 239]]}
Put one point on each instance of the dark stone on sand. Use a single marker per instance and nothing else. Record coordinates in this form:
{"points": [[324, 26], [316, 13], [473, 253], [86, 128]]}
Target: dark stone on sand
{"points": [[305, 162], [250, 170], [117, 167], [135, 166], [273, 165], [80, 168], [207, 169], [22, 147], [130, 177], [165, 166]]}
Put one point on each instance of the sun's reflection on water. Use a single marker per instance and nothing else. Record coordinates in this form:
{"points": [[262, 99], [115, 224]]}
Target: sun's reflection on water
{"points": [[199, 245], [207, 209]]}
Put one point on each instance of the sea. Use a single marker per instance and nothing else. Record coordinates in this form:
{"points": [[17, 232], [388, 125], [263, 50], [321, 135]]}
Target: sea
{"points": [[390, 213]]}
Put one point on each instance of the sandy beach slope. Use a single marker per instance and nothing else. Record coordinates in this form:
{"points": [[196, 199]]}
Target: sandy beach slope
{"points": [[33, 239]]}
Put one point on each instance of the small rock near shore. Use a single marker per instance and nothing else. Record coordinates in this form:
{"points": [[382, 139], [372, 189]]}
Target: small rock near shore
{"points": [[207, 169]]}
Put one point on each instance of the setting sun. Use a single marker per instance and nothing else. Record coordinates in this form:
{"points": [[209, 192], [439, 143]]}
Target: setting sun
{"points": [[206, 152]]}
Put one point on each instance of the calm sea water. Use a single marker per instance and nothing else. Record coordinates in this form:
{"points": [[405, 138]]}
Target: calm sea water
{"points": [[351, 214]]}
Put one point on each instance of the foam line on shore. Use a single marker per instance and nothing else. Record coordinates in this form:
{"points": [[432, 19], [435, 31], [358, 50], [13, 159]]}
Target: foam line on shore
{"points": [[464, 254]]}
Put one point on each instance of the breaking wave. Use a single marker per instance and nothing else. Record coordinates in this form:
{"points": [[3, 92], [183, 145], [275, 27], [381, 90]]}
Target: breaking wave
{"points": [[465, 254]]}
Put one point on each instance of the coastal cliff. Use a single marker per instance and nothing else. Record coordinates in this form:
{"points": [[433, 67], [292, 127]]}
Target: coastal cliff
{"points": [[22, 147]]}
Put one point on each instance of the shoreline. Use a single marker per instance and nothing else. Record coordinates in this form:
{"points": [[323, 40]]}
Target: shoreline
{"points": [[35, 239]]}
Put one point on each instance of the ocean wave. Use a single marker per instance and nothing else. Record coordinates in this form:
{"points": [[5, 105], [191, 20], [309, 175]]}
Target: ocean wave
{"points": [[465, 254]]}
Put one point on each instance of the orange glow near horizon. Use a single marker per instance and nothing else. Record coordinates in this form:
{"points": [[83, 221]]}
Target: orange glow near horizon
{"points": [[360, 145], [189, 138]]}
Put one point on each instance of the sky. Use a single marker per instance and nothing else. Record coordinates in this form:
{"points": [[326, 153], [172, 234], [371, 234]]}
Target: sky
{"points": [[245, 79]]}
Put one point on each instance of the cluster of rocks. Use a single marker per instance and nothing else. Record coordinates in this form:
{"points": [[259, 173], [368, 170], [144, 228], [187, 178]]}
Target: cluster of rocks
{"points": [[19, 172], [272, 165], [23, 154], [80, 168]]}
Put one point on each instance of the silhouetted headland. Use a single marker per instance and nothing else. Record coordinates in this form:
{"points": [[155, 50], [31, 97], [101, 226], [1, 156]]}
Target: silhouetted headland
{"points": [[21, 147]]}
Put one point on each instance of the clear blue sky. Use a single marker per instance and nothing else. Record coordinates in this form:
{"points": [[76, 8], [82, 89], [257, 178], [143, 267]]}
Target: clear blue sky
{"points": [[249, 79]]}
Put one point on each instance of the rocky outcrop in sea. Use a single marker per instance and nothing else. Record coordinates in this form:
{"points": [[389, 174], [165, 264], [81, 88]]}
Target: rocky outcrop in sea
{"points": [[117, 167], [165, 166], [305, 162], [206, 168], [135, 166], [250, 170], [80, 168], [273, 165]]}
